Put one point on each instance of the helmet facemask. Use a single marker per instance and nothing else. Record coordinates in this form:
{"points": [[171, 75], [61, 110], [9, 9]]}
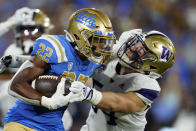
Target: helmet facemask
{"points": [[92, 33], [151, 53], [134, 52], [25, 36], [28, 31], [98, 48]]}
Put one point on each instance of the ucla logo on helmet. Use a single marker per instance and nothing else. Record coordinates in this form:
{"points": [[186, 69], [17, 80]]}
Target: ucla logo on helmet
{"points": [[86, 20], [166, 54]]}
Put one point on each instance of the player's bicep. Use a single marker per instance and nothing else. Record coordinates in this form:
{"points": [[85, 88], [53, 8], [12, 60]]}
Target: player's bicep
{"points": [[28, 71], [31, 69], [127, 102]]}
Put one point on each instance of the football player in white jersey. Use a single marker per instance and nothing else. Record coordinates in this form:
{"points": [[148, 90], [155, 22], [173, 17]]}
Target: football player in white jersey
{"points": [[124, 91], [27, 24]]}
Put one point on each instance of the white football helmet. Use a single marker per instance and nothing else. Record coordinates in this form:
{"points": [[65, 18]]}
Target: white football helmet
{"points": [[31, 28]]}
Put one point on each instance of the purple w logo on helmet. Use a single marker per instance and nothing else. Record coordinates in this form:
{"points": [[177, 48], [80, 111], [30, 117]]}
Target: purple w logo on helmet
{"points": [[166, 54]]}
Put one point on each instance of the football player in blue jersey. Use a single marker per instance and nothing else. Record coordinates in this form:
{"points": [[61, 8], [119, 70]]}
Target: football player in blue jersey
{"points": [[28, 25], [86, 46]]}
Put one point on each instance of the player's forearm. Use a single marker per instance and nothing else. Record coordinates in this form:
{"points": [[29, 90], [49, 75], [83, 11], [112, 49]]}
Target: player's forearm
{"points": [[20, 84], [119, 102], [127, 102], [25, 90], [111, 102]]}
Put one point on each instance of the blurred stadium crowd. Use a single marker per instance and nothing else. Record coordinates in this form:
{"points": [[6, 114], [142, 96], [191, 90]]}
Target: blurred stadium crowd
{"points": [[176, 105]]}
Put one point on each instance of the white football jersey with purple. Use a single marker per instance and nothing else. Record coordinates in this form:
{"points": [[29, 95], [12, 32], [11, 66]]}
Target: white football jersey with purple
{"points": [[145, 87]]}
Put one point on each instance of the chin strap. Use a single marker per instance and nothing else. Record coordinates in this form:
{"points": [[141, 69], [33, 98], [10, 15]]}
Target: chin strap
{"points": [[71, 40], [69, 37]]}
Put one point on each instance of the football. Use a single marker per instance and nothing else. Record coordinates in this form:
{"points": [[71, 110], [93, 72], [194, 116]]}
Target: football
{"points": [[47, 85]]}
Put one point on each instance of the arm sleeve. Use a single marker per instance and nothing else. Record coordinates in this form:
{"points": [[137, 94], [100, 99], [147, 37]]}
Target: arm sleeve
{"points": [[147, 95], [49, 49], [146, 88]]}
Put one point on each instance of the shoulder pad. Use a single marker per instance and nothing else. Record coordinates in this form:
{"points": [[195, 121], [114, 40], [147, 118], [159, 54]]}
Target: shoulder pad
{"points": [[140, 81], [49, 49], [147, 87]]}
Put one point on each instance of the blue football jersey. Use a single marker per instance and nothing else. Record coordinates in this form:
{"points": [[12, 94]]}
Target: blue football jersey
{"points": [[58, 52]]}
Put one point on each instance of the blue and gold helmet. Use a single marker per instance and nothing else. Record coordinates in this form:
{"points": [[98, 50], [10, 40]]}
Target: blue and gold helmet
{"points": [[92, 32]]}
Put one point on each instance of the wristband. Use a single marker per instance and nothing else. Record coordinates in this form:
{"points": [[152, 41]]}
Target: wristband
{"points": [[96, 98]]}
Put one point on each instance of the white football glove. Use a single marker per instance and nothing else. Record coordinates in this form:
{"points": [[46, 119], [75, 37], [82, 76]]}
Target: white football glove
{"points": [[124, 37], [80, 92], [22, 16], [58, 99]]}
